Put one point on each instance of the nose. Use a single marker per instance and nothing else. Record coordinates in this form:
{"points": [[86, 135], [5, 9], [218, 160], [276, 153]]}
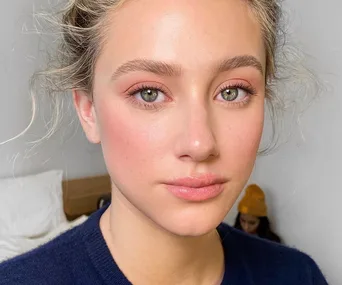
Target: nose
{"points": [[245, 227], [196, 140]]}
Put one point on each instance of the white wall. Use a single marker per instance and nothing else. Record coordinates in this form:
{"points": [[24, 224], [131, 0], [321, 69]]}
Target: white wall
{"points": [[303, 179], [19, 57]]}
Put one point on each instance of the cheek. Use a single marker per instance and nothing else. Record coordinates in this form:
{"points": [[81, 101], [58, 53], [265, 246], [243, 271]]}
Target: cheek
{"points": [[240, 141], [130, 145], [244, 226]]}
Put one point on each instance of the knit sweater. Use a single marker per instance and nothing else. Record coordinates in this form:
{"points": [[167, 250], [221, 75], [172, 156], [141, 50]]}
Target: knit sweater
{"points": [[81, 256]]}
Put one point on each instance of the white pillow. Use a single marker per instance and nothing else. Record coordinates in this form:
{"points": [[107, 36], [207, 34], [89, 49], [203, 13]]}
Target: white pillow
{"points": [[31, 206]]}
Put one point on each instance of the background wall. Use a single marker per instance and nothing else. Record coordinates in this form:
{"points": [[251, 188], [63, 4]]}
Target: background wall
{"points": [[302, 179], [20, 55]]}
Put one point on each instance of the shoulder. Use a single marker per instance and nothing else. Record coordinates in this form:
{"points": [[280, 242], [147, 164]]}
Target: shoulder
{"points": [[64, 260], [265, 258], [47, 264]]}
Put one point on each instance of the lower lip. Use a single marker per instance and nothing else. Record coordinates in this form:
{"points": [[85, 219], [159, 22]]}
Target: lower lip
{"points": [[196, 194]]}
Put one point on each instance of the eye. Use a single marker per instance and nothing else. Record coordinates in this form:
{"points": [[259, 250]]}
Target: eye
{"points": [[230, 94], [149, 95]]}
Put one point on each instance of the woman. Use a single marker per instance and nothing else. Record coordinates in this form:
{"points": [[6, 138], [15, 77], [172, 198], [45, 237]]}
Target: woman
{"points": [[252, 217], [174, 92]]}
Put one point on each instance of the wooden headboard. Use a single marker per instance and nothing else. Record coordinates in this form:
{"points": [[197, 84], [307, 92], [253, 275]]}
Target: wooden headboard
{"points": [[80, 196]]}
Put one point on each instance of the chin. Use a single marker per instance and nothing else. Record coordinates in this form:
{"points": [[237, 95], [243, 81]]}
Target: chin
{"points": [[193, 222]]}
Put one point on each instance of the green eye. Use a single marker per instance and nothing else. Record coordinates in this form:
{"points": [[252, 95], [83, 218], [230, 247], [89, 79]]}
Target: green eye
{"points": [[230, 94], [149, 95]]}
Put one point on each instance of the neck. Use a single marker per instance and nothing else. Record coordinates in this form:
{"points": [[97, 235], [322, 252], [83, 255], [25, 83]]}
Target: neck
{"points": [[148, 254]]}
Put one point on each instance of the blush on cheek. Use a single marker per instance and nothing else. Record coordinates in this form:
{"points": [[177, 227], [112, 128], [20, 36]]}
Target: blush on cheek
{"points": [[240, 145], [251, 131], [250, 139], [122, 143], [130, 144]]}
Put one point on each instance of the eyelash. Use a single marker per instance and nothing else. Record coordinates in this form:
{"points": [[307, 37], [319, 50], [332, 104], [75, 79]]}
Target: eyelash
{"points": [[249, 89], [155, 106]]}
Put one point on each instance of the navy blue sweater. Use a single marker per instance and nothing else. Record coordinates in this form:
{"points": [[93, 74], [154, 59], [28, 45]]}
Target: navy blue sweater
{"points": [[80, 256]]}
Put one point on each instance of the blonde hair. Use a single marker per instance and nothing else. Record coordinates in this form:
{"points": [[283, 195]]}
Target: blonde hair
{"points": [[82, 24]]}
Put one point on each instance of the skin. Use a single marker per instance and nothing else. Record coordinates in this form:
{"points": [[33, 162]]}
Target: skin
{"points": [[249, 223], [189, 130]]}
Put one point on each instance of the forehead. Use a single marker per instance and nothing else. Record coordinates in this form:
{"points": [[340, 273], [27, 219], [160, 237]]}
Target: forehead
{"points": [[194, 32], [247, 217]]}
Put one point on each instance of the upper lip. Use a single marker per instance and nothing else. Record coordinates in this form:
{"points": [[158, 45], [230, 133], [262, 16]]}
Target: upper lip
{"points": [[197, 181]]}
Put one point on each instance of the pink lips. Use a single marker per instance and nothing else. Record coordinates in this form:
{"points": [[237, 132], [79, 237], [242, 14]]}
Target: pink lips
{"points": [[198, 188]]}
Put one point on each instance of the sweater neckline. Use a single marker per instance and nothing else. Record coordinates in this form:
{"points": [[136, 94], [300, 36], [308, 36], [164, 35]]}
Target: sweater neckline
{"points": [[104, 262], [99, 253]]}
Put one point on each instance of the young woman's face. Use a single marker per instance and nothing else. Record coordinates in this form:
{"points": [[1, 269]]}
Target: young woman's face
{"points": [[179, 92], [249, 223]]}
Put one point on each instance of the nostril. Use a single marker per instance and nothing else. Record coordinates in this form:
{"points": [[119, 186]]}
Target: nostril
{"points": [[185, 158]]}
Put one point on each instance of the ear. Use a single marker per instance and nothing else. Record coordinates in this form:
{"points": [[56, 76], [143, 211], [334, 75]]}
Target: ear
{"points": [[86, 113]]}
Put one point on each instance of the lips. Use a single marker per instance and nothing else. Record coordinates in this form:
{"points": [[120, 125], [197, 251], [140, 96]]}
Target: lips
{"points": [[197, 188]]}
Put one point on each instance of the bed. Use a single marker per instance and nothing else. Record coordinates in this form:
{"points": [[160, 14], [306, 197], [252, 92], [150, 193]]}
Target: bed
{"points": [[37, 208]]}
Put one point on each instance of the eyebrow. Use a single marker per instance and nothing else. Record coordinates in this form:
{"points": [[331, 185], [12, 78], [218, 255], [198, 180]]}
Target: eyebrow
{"points": [[167, 69], [240, 61], [157, 67]]}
